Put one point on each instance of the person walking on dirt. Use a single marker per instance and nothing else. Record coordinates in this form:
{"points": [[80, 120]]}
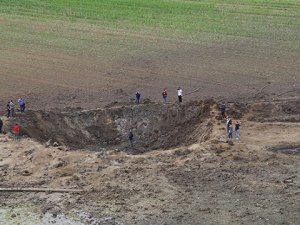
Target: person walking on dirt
{"points": [[223, 110], [137, 97], [165, 95], [21, 104], [16, 131], [131, 138], [237, 130], [179, 93], [1, 125], [11, 108], [8, 109]]}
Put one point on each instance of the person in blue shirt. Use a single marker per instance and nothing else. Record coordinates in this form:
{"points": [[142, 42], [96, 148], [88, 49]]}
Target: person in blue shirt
{"points": [[137, 97], [21, 104]]}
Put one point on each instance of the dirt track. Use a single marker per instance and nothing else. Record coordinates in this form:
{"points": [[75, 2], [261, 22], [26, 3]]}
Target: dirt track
{"points": [[211, 182]]}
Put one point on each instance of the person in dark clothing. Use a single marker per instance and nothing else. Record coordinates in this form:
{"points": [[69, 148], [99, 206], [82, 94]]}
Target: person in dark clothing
{"points": [[131, 138], [237, 130], [179, 93], [137, 97], [165, 95], [230, 132], [1, 125], [8, 110], [223, 110]]}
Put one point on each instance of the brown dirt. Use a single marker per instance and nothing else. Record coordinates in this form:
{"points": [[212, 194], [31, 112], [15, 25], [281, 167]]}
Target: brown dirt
{"points": [[49, 78], [155, 126], [206, 182]]}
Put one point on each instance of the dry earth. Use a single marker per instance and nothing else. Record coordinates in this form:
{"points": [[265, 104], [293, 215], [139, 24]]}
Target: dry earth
{"points": [[252, 181], [49, 78]]}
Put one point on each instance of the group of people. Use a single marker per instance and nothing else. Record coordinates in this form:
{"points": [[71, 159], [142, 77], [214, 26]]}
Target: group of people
{"points": [[164, 95], [11, 107], [229, 129], [229, 124]]}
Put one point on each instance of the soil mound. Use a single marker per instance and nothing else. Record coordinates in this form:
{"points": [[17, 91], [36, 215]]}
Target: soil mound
{"points": [[275, 111], [154, 126]]}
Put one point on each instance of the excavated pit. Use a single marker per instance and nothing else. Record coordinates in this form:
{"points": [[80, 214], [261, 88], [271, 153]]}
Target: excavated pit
{"points": [[155, 126]]}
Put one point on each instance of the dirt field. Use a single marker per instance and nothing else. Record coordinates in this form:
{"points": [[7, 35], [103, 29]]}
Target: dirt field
{"points": [[78, 65], [47, 79], [252, 181]]}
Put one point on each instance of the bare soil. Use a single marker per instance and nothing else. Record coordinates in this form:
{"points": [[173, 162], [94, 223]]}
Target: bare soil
{"points": [[205, 181], [180, 170], [49, 78]]}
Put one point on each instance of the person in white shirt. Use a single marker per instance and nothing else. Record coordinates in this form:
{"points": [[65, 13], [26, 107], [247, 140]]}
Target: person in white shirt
{"points": [[12, 108], [179, 93]]}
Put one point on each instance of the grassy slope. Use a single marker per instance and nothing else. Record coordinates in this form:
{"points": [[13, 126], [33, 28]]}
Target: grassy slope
{"points": [[75, 24]]}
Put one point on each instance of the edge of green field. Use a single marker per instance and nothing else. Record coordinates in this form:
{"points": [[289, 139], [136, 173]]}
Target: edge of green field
{"points": [[271, 21]]}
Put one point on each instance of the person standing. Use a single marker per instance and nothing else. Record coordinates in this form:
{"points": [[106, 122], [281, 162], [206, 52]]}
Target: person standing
{"points": [[237, 130], [223, 110], [131, 138], [1, 125], [8, 109], [137, 97], [179, 93], [230, 131], [11, 108], [165, 95], [228, 126], [21, 104], [16, 131]]}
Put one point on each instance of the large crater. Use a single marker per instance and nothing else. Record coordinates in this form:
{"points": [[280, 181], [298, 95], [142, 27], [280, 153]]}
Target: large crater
{"points": [[154, 125]]}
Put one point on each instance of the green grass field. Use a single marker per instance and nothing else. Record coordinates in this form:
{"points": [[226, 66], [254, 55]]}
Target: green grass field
{"points": [[274, 21]]}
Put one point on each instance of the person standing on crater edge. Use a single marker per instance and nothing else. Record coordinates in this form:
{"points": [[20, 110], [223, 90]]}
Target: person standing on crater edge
{"points": [[137, 97], [11, 109], [165, 95], [179, 93], [223, 110], [21, 104], [8, 109]]}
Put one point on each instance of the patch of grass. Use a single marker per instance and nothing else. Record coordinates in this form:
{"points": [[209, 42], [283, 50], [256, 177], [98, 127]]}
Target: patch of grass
{"points": [[67, 23]]}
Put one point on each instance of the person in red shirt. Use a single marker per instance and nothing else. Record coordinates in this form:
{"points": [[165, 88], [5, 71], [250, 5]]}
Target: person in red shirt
{"points": [[165, 95], [16, 131]]}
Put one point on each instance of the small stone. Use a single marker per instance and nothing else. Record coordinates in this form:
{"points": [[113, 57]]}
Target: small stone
{"points": [[48, 143]]}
